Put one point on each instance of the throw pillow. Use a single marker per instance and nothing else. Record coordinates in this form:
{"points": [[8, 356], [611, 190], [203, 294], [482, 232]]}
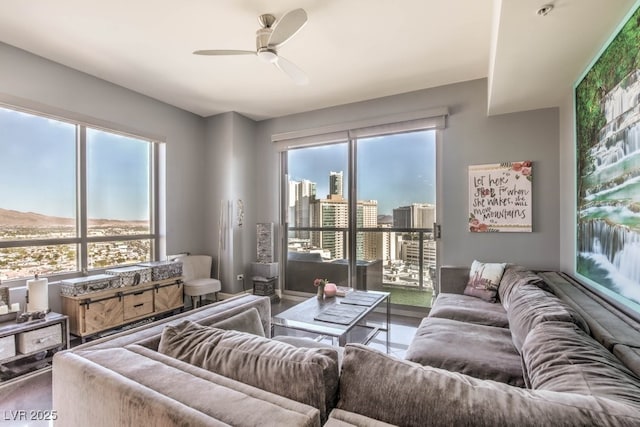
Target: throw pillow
{"points": [[306, 375], [181, 341], [484, 279], [175, 336]]}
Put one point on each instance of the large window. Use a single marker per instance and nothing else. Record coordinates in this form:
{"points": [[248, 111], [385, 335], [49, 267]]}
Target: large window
{"points": [[376, 191], [73, 198]]}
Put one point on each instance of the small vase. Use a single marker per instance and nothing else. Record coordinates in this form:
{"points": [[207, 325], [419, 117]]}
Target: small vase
{"points": [[330, 290], [320, 291]]}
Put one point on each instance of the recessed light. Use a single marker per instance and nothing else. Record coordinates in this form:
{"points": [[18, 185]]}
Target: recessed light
{"points": [[545, 10]]}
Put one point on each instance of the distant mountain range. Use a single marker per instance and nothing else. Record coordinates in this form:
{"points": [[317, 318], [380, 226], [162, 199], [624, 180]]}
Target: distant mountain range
{"points": [[385, 219], [11, 218]]}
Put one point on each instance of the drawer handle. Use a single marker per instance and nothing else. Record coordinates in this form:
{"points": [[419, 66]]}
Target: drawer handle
{"points": [[43, 340], [138, 305], [138, 293]]}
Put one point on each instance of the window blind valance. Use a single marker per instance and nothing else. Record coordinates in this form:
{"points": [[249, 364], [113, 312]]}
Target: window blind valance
{"points": [[405, 122]]}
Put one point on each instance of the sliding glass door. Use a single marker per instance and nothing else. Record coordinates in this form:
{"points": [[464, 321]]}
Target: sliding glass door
{"points": [[396, 188], [318, 216], [376, 191]]}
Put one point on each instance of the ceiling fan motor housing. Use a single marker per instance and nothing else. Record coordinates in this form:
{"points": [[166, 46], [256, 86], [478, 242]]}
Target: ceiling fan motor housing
{"points": [[262, 38], [263, 50]]}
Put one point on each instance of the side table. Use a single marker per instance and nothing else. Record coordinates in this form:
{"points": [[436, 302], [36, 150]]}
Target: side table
{"points": [[28, 348]]}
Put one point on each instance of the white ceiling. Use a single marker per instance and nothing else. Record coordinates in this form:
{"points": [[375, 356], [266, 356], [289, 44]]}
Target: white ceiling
{"points": [[352, 50]]}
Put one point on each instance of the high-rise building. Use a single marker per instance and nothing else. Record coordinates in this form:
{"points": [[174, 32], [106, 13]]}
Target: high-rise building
{"points": [[301, 195], [417, 215], [367, 217], [335, 184], [334, 213]]}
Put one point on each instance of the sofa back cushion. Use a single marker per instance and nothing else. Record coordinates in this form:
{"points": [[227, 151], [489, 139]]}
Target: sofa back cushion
{"points": [[247, 321], [513, 277], [306, 375], [531, 306], [136, 386], [559, 356], [403, 393]]}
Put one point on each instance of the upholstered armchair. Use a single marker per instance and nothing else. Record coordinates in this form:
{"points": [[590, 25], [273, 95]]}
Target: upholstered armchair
{"points": [[196, 273]]}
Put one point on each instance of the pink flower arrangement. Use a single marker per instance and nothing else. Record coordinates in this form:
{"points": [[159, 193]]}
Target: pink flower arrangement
{"points": [[320, 282]]}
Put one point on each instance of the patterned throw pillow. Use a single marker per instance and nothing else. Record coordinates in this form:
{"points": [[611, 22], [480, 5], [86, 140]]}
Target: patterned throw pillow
{"points": [[484, 279]]}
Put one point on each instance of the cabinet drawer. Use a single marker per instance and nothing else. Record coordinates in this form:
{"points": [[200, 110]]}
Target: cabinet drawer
{"points": [[169, 297], [101, 315], [7, 347], [138, 304], [39, 339]]}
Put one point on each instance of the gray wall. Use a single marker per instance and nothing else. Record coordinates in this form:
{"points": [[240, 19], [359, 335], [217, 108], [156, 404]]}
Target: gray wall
{"points": [[229, 180], [470, 138]]}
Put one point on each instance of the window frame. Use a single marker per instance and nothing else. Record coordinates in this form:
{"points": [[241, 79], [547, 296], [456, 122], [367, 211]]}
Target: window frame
{"points": [[82, 240], [433, 119]]}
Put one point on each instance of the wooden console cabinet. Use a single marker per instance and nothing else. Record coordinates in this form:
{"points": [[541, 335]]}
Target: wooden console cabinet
{"points": [[100, 311], [26, 348]]}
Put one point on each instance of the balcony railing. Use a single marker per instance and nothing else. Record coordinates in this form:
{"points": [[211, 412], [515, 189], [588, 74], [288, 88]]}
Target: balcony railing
{"points": [[394, 258]]}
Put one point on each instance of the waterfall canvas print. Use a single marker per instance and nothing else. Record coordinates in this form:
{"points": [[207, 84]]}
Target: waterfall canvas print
{"points": [[607, 107]]}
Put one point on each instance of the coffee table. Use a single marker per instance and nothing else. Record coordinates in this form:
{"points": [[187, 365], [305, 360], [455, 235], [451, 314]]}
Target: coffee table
{"points": [[337, 317]]}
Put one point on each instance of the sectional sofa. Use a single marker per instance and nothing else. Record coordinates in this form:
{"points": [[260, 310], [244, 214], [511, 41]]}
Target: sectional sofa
{"points": [[550, 353]]}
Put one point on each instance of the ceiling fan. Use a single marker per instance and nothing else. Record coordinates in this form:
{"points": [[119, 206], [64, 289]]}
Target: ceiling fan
{"points": [[269, 38]]}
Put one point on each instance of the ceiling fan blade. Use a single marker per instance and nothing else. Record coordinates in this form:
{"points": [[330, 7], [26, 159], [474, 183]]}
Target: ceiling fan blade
{"points": [[289, 68], [287, 27], [224, 52]]}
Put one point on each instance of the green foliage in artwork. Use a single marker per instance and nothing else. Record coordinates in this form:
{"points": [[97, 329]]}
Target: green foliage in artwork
{"points": [[620, 58]]}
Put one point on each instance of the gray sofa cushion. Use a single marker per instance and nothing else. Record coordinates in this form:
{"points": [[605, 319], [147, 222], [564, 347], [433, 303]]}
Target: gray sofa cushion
{"points": [[559, 356], [340, 418], [305, 342], [513, 277], [185, 339], [452, 280], [406, 394], [306, 375], [630, 356], [121, 387], [531, 306], [481, 351], [247, 321], [469, 309], [607, 324]]}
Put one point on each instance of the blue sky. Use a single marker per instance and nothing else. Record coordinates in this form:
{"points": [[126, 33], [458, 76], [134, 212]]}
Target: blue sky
{"points": [[37, 169], [395, 170], [38, 164]]}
